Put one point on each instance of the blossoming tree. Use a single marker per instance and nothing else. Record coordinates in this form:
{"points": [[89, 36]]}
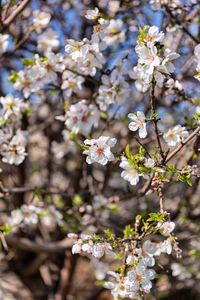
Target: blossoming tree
{"points": [[99, 130]]}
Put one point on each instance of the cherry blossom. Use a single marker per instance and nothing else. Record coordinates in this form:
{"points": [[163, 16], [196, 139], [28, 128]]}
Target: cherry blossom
{"points": [[48, 41], [138, 122], [40, 20], [3, 43], [130, 173], [100, 150], [92, 14], [174, 136], [81, 117]]}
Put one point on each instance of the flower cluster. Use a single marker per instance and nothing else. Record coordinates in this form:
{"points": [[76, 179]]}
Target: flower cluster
{"points": [[13, 139], [86, 54], [135, 278], [86, 244], [132, 173], [40, 20], [67, 145], [81, 117], [155, 62], [138, 279], [29, 215], [114, 88], [38, 72]]}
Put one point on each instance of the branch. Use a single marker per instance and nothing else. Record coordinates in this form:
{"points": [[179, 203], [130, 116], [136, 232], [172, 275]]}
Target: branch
{"points": [[181, 25], [19, 190], [38, 247], [155, 120], [15, 13]]}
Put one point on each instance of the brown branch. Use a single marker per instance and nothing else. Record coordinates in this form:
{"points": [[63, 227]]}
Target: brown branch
{"points": [[66, 275], [155, 120], [6, 8], [38, 247], [181, 25], [19, 190], [15, 13]]}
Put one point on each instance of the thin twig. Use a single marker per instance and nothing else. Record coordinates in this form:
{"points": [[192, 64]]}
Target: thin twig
{"points": [[181, 25], [15, 13]]}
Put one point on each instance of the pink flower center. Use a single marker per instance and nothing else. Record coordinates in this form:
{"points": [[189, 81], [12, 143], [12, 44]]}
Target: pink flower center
{"points": [[151, 57], [100, 151], [149, 38]]}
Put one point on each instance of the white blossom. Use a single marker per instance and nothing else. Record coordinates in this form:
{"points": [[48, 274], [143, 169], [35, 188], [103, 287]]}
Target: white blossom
{"points": [[98, 250], [76, 248], [114, 32], [148, 57], [52, 218], [153, 64], [138, 122], [154, 36], [30, 214], [166, 228], [11, 107], [130, 173], [174, 135], [100, 150], [81, 117], [48, 41], [14, 152], [40, 20], [3, 43], [92, 14], [114, 90], [149, 162], [87, 55], [72, 83]]}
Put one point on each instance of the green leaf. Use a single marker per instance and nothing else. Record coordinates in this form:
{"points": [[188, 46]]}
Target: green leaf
{"points": [[197, 116], [143, 33], [13, 77], [127, 151], [153, 116], [96, 237], [53, 91], [128, 231], [73, 136], [77, 200], [43, 59], [119, 256], [185, 178], [109, 234], [155, 216], [6, 229], [103, 115], [142, 151], [171, 168], [28, 62], [84, 147]]}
